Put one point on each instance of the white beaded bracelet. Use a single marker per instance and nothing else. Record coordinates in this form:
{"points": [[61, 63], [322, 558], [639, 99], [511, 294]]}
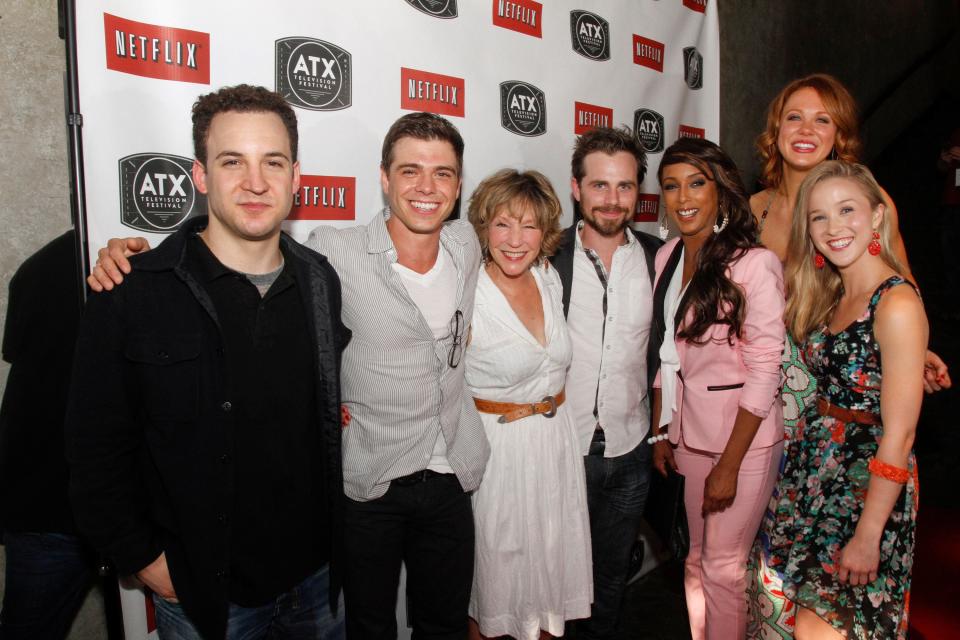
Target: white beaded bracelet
{"points": [[655, 439]]}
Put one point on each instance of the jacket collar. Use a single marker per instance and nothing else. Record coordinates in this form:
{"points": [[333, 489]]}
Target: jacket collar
{"points": [[379, 240], [170, 253]]}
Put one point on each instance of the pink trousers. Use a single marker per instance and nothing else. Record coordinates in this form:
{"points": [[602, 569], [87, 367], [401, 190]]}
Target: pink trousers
{"points": [[715, 569]]}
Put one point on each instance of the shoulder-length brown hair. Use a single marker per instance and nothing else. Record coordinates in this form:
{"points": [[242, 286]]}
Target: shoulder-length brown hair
{"points": [[813, 293], [839, 104], [509, 187]]}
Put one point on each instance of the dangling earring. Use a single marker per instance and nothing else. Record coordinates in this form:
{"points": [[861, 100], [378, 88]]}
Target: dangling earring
{"points": [[833, 154], [723, 224], [819, 261], [874, 246], [664, 230]]}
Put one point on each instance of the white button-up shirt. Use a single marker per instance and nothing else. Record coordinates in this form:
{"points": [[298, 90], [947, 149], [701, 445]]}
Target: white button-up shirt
{"points": [[609, 368]]}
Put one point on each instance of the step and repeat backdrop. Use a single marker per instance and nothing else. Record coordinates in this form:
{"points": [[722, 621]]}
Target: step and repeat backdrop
{"points": [[520, 80]]}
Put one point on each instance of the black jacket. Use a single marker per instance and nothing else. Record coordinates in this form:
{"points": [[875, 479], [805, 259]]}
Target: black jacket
{"points": [[43, 315], [562, 261], [147, 435]]}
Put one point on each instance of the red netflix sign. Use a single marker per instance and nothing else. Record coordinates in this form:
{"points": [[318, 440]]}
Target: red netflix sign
{"points": [[648, 53], [699, 6], [431, 92], [154, 51], [325, 198], [589, 116], [686, 131], [648, 205], [519, 15]]}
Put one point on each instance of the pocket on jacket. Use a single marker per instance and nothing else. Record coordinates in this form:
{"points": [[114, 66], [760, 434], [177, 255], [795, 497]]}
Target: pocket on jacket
{"points": [[724, 387], [167, 370]]}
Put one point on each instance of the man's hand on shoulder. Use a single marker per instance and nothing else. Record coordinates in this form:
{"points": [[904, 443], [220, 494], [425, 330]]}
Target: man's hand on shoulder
{"points": [[156, 577], [112, 262]]}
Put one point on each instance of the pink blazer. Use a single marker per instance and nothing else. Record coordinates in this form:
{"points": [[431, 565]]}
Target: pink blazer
{"points": [[717, 378]]}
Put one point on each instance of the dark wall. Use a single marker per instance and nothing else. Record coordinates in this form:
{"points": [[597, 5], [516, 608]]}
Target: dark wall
{"points": [[895, 56]]}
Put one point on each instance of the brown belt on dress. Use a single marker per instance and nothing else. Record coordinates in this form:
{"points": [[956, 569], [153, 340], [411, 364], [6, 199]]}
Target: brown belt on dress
{"points": [[826, 408], [509, 411]]}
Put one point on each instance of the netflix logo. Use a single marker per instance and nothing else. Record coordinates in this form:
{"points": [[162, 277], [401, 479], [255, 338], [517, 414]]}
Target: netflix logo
{"points": [[700, 6], [519, 15], [431, 92], [589, 116], [154, 51], [325, 198], [648, 205], [648, 53], [686, 131]]}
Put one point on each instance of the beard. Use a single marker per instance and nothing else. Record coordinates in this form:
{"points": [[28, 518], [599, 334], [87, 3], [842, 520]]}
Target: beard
{"points": [[605, 227]]}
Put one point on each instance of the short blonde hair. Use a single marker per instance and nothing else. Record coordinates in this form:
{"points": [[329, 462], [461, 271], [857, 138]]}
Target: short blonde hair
{"points": [[813, 293], [509, 187]]}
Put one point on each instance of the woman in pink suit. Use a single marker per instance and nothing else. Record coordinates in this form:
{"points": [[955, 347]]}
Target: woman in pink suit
{"points": [[719, 304]]}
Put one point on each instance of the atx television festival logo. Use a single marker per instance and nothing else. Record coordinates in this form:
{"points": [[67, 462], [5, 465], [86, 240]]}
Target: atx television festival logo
{"points": [[154, 51], [648, 205], [590, 35], [523, 108], [436, 8], [157, 192], [313, 74], [519, 15], [692, 67], [648, 130], [431, 92], [325, 198], [589, 116]]}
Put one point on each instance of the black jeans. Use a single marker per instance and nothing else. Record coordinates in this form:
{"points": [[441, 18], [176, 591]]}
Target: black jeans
{"points": [[616, 493], [429, 526]]}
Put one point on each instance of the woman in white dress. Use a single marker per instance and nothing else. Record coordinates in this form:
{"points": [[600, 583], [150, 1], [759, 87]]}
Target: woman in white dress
{"points": [[533, 569]]}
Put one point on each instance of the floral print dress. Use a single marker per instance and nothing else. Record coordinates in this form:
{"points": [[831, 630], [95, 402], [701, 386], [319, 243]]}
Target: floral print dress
{"points": [[823, 486]]}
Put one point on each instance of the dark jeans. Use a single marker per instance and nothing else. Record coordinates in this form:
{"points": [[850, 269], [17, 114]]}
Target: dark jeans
{"points": [[427, 525], [616, 492], [303, 613], [47, 577]]}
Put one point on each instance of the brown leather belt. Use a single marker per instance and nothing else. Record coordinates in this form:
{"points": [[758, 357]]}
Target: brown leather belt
{"points": [[825, 408], [509, 411]]}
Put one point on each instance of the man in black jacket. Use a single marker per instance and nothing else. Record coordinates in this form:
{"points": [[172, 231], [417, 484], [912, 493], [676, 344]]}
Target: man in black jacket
{"points": [[211, 466], [607, 273]]}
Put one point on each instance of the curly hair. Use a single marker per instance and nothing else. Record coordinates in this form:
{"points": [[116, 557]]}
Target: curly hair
{"points": [[813, 293], [243, 98], [839, 104], [529, 190], [711, 295], [422, 126], [609, 141]]}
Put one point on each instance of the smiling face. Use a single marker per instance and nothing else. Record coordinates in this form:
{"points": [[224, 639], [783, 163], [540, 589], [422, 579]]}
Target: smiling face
{"points": [[807, 130], [608, 191], [690, 196], [842, 221], [422, 184], [514, 240], [249, 178]]}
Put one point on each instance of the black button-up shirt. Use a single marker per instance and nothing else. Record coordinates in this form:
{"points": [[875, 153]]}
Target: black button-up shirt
{"points": [[278, 537]]}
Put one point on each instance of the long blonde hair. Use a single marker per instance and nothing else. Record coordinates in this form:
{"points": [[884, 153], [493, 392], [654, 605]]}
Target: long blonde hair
{"points": [[813, 293]]}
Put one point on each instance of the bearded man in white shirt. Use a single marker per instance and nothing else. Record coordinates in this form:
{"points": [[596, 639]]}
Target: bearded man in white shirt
{"points": [[607, 273]]}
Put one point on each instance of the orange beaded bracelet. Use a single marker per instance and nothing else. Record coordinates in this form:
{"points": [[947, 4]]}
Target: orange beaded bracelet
{"points": [[888, 471]]}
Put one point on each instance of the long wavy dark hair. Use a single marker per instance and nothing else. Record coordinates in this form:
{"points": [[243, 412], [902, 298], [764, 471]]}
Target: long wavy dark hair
{"points": [[711, 295]]}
